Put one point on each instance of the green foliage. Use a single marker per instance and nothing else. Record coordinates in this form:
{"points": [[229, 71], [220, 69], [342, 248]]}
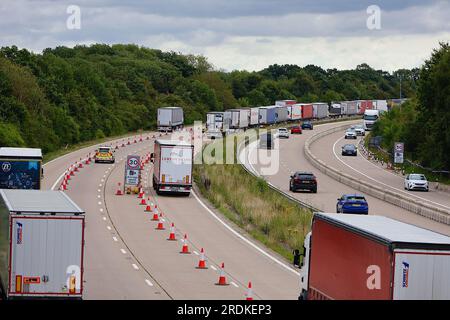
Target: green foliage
{"points": [[424, 123]]}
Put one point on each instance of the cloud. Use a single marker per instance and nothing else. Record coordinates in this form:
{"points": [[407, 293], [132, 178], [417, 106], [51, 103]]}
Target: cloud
{"points": [[229, 31]]}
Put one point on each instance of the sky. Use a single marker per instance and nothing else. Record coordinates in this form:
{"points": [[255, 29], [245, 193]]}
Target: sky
{"points": [[241, 34]]}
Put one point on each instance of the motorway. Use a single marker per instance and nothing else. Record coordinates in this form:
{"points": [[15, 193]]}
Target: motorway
{"points": [[328, 150], [126, 258]]}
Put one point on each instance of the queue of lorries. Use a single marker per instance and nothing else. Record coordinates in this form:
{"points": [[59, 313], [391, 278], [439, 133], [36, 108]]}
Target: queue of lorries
{"points": [[345, 256]]}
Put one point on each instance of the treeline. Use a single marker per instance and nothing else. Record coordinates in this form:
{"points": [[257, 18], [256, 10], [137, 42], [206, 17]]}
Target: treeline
{"points": [[423, 123], [69, 95]]}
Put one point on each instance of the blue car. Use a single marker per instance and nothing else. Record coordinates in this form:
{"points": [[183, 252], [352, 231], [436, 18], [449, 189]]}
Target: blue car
{"points": [[307, 125], [352, 203]]}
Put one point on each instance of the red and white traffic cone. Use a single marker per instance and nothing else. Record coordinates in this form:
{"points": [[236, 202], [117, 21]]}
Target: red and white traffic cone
{"points": [[185, 248], [160, 224], [202, 262], [143, 202], [119, 190], [148, 208], [172, 233], [249, 294], [141, 193], [68, 177], [222, 278], [72, 173], [155, 214]]}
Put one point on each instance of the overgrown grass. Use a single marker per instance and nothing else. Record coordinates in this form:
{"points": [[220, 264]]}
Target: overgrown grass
{"points": [[249, 202]]}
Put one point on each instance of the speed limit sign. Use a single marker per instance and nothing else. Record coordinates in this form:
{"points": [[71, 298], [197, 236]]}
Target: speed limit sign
{"points": [[133, 162]]}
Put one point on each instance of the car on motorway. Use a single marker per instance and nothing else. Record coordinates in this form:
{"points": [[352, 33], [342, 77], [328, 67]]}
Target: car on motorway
{"points": [[307, 125], [296, 130], [349, 150], [416, 181], [104, 154], [283, 133], [350, 134], [302, 180], [360, 131], [352, 203]]}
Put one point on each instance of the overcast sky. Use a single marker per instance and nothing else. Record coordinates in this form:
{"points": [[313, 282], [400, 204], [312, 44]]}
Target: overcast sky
{"points": [[241, 34]]}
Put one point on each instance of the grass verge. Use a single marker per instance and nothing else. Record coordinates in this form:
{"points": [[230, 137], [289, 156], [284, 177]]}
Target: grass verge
{"points": [[251, 204]]}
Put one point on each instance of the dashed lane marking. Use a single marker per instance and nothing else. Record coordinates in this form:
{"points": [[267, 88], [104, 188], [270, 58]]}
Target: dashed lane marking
{"points": [[214, 268], [234, 284], [123, 251], [135, 266], [149, 282], [115, 239]]}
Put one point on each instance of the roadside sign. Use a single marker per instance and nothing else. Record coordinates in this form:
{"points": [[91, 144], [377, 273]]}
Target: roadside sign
{"points": [[132, 169], [399, 148]]}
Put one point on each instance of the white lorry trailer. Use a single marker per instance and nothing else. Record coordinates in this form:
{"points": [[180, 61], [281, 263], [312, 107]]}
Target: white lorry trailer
{"points": [[214, 125], [172, 169], [254, 116], [294, 112], [170, 118], [361, 257], [41, 245], [320, 110]]}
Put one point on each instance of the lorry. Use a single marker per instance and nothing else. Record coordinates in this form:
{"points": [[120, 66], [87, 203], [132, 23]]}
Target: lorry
{"points": [[307, 110], [20, 168], [231, 119], [170, 118], [41, 245], [172, 166], [369, 257], [214, 125], [254, 116], [267, 115], [281, 114], [335, 110], [320, 110], [369, 118], [364, 105], [380, 105], [349, 108], [294, 112], [244, 118], [285, 103]]}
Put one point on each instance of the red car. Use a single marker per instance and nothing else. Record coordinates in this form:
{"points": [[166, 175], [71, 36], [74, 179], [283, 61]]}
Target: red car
{"points": [[296, 129]]}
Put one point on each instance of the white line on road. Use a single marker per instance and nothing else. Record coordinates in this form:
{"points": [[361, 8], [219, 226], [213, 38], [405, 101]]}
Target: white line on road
{"points": [[99, 203], [243, 238], [214, 268], [115, 239], [123, 251], [234, 284], [101, 209], [195, 252], [135, 266], [104, 218], [108, 227], [149, 282]]}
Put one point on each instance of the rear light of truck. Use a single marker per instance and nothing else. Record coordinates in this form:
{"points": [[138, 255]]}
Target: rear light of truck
{"points": [[18, 284], [72, 285]]}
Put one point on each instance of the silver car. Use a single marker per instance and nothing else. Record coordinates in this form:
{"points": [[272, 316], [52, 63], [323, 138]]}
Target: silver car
{"points": [[416, 181], [360, 130], [350, 134]]}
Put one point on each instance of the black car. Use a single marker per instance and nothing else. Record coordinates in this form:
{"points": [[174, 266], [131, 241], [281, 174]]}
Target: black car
{"points": [[307, 125], [303, 181], [349, 150]]}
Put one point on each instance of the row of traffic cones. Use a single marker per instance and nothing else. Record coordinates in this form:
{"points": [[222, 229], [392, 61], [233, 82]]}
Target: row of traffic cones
{"points": [[70, 172]]}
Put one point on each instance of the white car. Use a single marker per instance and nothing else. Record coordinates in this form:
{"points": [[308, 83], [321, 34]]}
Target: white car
{"points": [[416, 181], [360, 130], [283, 133], [350, 134]]}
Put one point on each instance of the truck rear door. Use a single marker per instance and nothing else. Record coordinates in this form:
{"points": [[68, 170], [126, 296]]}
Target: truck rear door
{"points": [[47, 256]]}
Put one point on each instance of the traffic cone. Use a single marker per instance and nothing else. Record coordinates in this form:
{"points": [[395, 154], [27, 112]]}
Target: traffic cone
{"points": [[141, 193], [148, 138], [185, 249], [143, 202], [128, 143], [148, 208], [140, 139], [71, 172], [81, 164], [222, 278], [68, 176], [160, 224], [202, 262], [123, 144], [117, 146], [119, 190], [76, 167], [155, 214], [249, 294], [172, 233]]}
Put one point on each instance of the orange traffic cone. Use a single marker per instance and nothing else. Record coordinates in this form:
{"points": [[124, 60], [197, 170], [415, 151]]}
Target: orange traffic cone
{"points": [[148, 208], [155, 214], [249, 294], [202, 262], [160, 224], [172, 233], [222, 278], [119, 190], [143, 202], [141, 194], [72, 173], [185, 249]]}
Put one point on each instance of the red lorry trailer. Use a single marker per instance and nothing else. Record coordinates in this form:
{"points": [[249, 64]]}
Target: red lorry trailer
{"points": [[307, 110], [354, 257]]}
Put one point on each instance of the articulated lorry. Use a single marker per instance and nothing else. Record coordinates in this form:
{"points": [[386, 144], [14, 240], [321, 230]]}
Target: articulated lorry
{"points": [[355, 257], [214, 125], [41, 245], [172, 171], [369, 118], [20, 168], [170, 118]]}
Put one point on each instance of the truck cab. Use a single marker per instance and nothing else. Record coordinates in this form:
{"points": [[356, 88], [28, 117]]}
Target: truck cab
{"points": [[370, 117]]}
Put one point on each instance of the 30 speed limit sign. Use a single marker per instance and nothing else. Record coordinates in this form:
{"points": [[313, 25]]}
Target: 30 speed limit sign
{"points": [[133, 162]]}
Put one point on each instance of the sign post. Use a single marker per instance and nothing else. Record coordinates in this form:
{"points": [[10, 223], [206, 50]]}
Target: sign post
{"points": [[399, 148], [132, 171]]}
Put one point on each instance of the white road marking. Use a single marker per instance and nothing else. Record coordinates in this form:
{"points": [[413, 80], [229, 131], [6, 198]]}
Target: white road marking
{"points": [[115, 239], [195, 252], [243, 238], [99, 196], [234, 284], [123, 251], [365, 175], [214, 268], [149, 282], [100, 185], [99, 190], [104, 218], [101, 209], [103, 180], [99, 203], [135, 266], [108, 227]]}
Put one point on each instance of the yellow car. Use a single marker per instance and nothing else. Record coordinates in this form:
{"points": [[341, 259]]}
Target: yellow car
{"points": [[104, 154]]}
